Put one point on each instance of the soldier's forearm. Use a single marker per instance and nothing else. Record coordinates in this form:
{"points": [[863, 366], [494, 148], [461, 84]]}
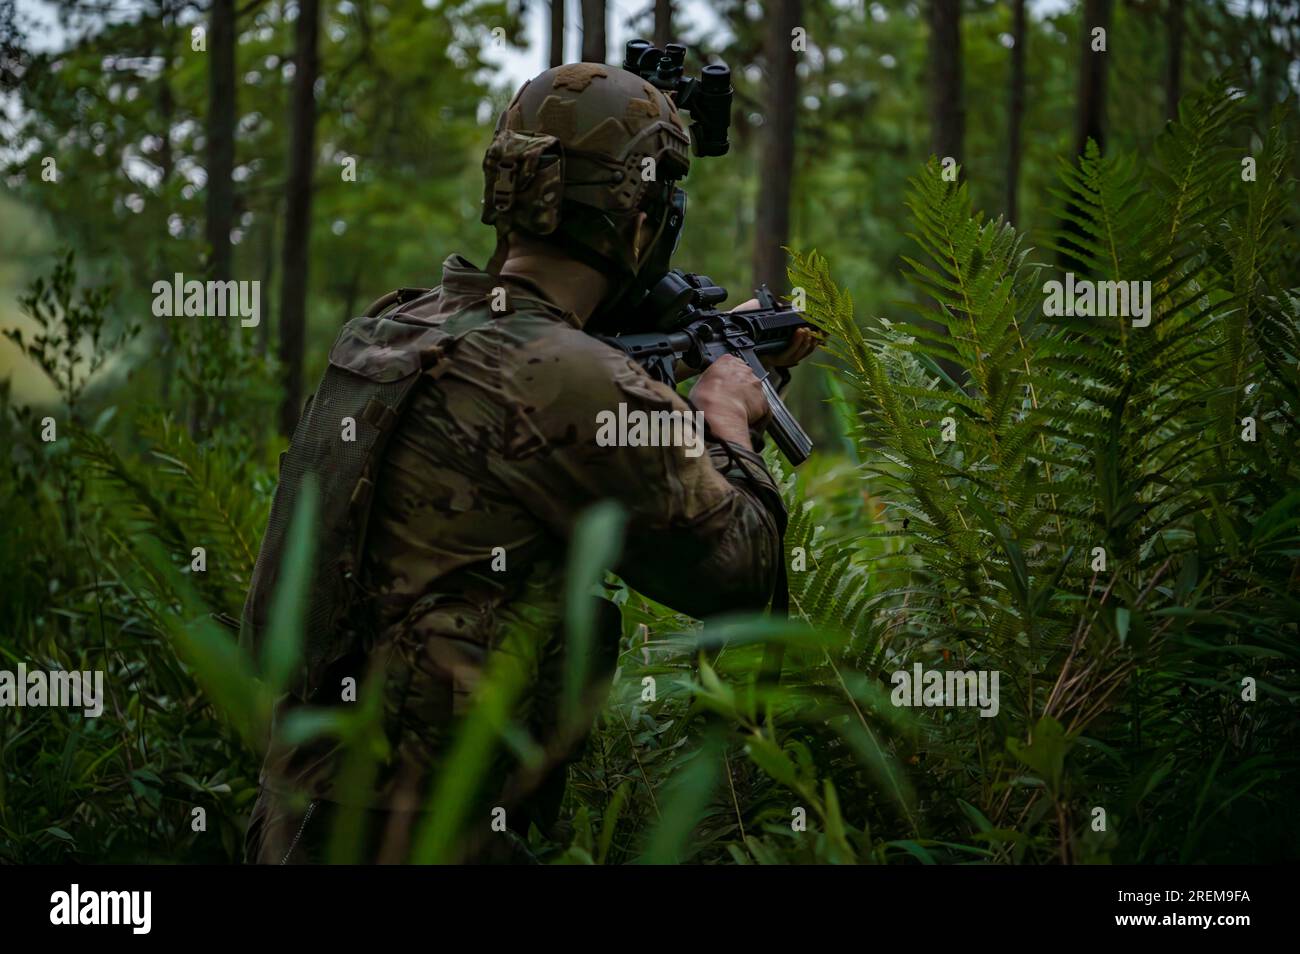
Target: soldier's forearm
{"points": [[726, 419], [733, 570], [727, 562]]}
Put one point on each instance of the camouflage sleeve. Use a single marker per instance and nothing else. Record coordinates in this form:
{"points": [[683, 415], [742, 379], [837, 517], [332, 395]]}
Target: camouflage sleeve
{"points": [[705, 519]]}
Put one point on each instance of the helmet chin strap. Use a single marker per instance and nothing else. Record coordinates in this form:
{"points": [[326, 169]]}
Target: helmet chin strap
{"points": [[499, 254], [602, 318]]}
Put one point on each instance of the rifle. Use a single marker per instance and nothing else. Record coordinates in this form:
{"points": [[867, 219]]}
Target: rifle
{"points": [[680, 306]]}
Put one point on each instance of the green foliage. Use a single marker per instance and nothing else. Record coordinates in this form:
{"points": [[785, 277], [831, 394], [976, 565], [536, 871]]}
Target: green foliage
{"points": [[1072, 434], [1121, 687], [71, 342]]}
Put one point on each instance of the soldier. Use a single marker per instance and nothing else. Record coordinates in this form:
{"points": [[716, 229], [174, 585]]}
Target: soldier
{"points": [[469, 481]]}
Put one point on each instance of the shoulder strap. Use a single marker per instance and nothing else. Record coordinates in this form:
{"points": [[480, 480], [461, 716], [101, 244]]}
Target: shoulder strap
{"points": [[399, 296]]}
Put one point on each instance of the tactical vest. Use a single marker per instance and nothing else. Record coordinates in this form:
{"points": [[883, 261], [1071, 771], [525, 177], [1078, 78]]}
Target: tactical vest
{"points": [[372, 371]]}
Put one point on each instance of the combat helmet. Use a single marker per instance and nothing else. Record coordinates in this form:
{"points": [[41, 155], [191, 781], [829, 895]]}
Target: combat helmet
{"points": [[578, 152]]}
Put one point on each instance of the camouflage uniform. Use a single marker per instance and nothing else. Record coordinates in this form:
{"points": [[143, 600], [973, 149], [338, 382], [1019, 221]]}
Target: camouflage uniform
{"points": [[497, 448]]}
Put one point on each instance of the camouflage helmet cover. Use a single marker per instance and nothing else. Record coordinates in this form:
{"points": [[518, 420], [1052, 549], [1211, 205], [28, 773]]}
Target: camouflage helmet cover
{"points": [[569, 157]]}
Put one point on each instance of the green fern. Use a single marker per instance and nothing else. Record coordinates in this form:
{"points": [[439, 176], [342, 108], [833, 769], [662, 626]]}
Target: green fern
{"points": [[1077, 441]]}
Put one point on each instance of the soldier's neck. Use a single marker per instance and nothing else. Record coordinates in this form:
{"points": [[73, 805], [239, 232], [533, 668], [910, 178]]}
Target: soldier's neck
{"points": [[566, 282]]}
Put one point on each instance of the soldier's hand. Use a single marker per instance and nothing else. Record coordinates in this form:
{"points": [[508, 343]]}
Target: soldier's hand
{"points": [[803, 343], [731, 398]]}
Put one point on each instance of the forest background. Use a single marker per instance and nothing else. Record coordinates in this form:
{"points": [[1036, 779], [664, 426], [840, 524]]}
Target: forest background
{"points": [[219, 140]]}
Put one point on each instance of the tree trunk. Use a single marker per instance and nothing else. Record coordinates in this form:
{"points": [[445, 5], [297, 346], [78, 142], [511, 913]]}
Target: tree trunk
{"points": [[1016, 109], [220, 182], [947, 109], [268, 278], [595, 48], [297, 213], [776, 164], [663, 23], [351, 291], [1174, 60], [557, 33], [166, 166], [221, 137], [1090, 121], [167, 99]]}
